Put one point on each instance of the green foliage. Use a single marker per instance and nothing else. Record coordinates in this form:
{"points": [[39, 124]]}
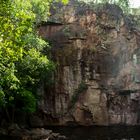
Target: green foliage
{"points": [[124, 4], [135, 11], [22, 64], [26, 100], [1, 98], [41, 8], [81, 88]]}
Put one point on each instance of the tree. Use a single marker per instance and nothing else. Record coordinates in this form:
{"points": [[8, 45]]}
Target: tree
{"points": [[22, 64], [124, 4]]}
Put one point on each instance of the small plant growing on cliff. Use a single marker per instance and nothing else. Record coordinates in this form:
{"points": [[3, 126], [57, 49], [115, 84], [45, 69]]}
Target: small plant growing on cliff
{"points": [[81, 88]]}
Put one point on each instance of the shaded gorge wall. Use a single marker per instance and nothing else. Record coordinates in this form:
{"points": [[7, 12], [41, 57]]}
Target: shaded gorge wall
{"points": [[97, 76]]}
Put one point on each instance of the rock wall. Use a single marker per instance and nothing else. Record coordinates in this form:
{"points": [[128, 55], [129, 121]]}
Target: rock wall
{"points": [[97, 76]]}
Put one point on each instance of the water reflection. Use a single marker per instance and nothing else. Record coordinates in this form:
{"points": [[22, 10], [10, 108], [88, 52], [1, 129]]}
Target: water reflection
{"points": [[100, 133]]}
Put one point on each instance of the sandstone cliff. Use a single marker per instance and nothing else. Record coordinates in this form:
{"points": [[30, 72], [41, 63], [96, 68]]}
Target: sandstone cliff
{"points": [[97, 76]]}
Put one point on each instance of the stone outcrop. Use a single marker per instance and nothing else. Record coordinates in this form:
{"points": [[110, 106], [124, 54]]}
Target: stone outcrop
{"points": [[97, 76], [18, 133]]}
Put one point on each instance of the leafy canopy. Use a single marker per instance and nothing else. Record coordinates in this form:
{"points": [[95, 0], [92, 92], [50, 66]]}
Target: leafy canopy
{"points": [[22, 64], [124, 4]]}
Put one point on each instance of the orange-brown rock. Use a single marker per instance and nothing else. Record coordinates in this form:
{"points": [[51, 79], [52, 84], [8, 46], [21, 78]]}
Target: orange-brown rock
{"points": [[97, 78]]}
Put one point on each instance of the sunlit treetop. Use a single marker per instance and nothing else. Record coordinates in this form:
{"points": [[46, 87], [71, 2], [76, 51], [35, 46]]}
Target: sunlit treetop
{"points": [[124, 4]]}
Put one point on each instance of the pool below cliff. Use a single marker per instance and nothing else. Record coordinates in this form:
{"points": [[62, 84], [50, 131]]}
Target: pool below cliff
{"points": [[94, 133], [99, 133]]}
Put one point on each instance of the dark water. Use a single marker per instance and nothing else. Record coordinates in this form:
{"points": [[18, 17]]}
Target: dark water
{"points": [[95, 133], [99, 133], [7, 138]]}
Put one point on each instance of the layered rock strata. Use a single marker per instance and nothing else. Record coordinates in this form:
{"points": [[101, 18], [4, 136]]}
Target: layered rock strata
{"points": [[97, 76]]}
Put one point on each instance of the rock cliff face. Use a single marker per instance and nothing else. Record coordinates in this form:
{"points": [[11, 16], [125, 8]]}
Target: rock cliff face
{"points": [[97, 76]]}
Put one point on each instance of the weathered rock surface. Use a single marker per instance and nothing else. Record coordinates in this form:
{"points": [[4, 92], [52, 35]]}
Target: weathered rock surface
{"points": [[97, 78], [14, 131]]}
